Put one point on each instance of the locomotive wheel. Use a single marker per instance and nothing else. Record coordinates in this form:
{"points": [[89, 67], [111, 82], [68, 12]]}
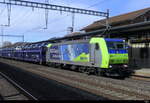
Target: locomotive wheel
{"points": [[100, 72], [56, 65], [81, 69], [121, 74], [86, 71], [96, 72]]}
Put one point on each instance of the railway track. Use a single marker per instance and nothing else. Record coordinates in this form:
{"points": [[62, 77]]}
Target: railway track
{"points": [[114, 89], [47, 89], [109, 90], [143, 78], [19, 88], [1, 98]]}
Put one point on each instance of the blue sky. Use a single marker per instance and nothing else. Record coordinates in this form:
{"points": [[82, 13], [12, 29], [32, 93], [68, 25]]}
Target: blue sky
{"points": [[30, 23]]}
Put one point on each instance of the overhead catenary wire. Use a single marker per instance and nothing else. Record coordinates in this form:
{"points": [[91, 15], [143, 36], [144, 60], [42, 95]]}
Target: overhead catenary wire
{"points": [[8, 24], [40, 27], [58, 31], [23, 16], [97, 3], [46, 22], [2, 10], [46, 15], [73, 15], [9, 13], [53, 21], [73, 18]]}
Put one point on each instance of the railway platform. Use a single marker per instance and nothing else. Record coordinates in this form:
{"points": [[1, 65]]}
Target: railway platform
{"points": [[9, 92]]}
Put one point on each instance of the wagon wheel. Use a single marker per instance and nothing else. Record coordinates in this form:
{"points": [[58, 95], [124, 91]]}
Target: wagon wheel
{"points": [[40, 62]]}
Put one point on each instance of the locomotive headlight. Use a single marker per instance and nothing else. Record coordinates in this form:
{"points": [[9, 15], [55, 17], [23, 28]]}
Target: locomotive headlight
{"points": [[125, 66], [110, 66]]}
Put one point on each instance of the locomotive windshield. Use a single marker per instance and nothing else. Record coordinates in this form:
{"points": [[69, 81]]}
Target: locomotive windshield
{"points": [[116, 45]]}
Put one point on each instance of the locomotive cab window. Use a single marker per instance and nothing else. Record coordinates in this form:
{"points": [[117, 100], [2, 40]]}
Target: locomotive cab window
{"points": [[119, 46], [116, 45], [96, 46]]}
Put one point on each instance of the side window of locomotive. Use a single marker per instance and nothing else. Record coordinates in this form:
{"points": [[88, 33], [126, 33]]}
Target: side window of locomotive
{"points": [[96, 46], [111, 45], [120, 45]]}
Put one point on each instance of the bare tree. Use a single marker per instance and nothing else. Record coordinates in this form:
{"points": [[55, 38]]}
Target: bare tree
{"points": [[6, 43]]}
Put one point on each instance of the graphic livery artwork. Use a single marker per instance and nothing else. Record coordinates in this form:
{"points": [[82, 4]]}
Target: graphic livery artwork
{"points": [[54, 52], [81, 52], [78, 52], [65, 53]]}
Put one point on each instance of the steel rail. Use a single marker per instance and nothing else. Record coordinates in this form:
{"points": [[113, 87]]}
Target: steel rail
{"points": [[141, 78], [1, 98], [23, 91]]}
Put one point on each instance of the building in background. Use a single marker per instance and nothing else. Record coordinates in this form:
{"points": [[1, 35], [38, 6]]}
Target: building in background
{"points": [[135, 27], [120, 20], [6, 43]]}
